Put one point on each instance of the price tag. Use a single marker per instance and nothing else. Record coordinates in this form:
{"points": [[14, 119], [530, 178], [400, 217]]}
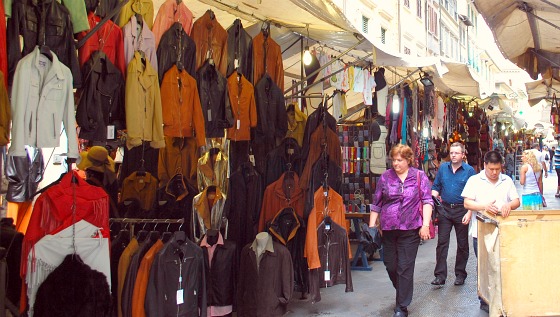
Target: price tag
{"points": [[327, 275], [238, 124], [252, 159], [209, 114], [290, 151], [235, 63], [327, 227], [110, 132], [180, 296]]}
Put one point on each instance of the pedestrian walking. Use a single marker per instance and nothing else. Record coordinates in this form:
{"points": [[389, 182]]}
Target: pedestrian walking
{"points": [[557, 168], [489, 191], [530, 176], [400, 193], [551, 156], [450, 180]]}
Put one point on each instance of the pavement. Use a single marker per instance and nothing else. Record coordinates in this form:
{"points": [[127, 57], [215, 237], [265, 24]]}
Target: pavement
{"points": [[374, 294]]}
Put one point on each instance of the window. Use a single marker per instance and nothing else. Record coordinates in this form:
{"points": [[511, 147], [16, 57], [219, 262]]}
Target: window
{"points": [[419, 8], [407, 50], [383, 31], [432, 21], [365, 24], [407, 3]]}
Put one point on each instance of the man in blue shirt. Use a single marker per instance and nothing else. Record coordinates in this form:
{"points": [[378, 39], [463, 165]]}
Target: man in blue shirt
{"points": [[447, 188]]}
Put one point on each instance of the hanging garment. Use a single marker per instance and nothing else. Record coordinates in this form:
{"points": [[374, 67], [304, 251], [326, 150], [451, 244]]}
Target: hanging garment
{"points": [[144, 119], [124, 262], [140, 187], [267, 59], [40, 102], [51, 213], [143, 7], [139, 40], [369, 85], [339, 105], [286, 156], [5, 111], [11, 240], [243, 106], [296, 129], [175, 201], [289, 229], [24, 173], [141, 283], [265, 284], [220, 266], [49, 252], [118, 245], [172, 275], [378, 152], [333, 247], [140, 157], [3, 48], [313, 121], [334, 180], [182, 112], [283, 193], [180, 155], [334, 208], [74, 288], [169, 12], [358, 79], [210, 37], [240, 49], [244, 205], [213, 172], [176, 48], [208, 213], [214, 98], [100, 111], [317, 142], [109, 39], [42, 23]]}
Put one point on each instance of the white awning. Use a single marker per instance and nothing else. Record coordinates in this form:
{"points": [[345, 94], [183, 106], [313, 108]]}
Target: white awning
{"points": [[454, 77]]}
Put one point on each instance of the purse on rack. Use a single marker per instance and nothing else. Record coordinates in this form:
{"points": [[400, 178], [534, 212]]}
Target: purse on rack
{"points": [[540, 189], [432, 227]]}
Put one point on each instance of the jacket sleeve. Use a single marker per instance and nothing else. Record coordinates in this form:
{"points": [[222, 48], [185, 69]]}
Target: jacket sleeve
{"points": [[253, 110], [202, 300], [69, 119], [72, 57], [243, 264], [158, 140], [281, 116], [154, 291], [228, 111], [287, 273], [224, 58], [159, 24], [20, 94], [5, 115], [119, 51], [164, 60], [198, 119]]}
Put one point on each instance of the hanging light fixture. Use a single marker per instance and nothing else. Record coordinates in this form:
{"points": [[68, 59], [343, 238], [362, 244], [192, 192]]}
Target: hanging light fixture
{"points": [[506, 133], [425, 132], [307, 58], [426, 80], [396, 107]]}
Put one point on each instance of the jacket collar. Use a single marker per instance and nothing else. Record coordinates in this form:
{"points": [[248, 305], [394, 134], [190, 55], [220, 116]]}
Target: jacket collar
{"points": [[54, 70], [276, 225], [175, 74], [206, 164], [140, 182], [102, 64], [202, 207], [279, 188], [38, 2], [204, 242], [146, 33], [146, 74], [269, 246]]}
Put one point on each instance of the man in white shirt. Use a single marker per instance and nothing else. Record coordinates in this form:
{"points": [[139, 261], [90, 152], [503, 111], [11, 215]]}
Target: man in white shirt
{"points": [[490, 191]]}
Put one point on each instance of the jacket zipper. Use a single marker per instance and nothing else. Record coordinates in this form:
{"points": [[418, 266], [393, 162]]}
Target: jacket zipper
{"points": [[54, 126]]}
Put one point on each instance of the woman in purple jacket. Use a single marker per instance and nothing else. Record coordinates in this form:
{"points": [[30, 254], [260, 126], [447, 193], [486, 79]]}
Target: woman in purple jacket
{"points": [[401, 193]]}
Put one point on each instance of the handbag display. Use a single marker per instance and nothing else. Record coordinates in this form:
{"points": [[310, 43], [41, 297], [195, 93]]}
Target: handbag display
{"points": [[432, 227], [540, 189]]}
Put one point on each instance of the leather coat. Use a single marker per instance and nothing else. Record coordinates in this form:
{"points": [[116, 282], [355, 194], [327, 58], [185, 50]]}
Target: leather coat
{"points": [[23, 176], [334, 181], [205, 217], [277, 160], [240, 47], [214, 98], [272, 119], [42, 22], [102, 101], [210, 36], [168, 266], [313, 121], [221, 277], [175, 45]]}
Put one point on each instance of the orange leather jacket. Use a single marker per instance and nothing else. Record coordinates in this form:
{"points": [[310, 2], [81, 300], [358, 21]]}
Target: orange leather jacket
{"points": [[244, 108]]}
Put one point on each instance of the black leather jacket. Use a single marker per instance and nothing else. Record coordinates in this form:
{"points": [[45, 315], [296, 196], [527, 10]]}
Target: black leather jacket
{"points": [[222, 275], [174, 260], [175, 45], [240, 47], [23, 176], [277, 160], [271, 110], [334, 180], [313, 121], [102, 101], [42, 22], [214, 98]]}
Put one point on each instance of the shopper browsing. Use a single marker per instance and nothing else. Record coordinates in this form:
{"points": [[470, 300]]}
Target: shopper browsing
{"points": [[530, 176], [448, 185], [400, 193]]}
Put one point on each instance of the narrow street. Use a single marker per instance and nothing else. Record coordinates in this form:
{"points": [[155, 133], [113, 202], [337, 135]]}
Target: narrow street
{"points": [[373, 294]]}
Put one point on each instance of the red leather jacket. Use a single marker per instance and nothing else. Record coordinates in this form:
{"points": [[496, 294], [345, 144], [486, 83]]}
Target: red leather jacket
{"points": [[108, 38]]}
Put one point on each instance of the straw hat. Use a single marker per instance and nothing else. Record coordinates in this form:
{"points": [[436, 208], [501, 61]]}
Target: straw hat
{"points": [[97, 159]]}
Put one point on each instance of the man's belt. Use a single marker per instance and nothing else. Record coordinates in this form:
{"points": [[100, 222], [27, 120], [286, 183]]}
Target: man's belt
{"points": [[452, 205]]}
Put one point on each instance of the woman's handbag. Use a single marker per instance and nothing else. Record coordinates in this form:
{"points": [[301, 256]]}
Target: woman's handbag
{"points": [[432, 227], [540, 189]]}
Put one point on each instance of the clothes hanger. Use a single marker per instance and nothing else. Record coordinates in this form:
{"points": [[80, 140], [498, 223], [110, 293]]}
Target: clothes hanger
{"points": [[142, 234], [46, 51]]}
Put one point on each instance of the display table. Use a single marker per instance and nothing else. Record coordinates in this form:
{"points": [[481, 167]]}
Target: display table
{"points": [[519, 263]]}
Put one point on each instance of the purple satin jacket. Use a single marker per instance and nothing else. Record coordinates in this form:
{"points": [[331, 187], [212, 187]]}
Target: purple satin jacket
{"points": [[398, 203]]}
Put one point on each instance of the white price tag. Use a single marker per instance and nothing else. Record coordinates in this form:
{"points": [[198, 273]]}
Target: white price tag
{"points": [[180, 296], [235, 63], [209, 114], [327, 227], [290, 151], [110, 132], [252, 159], [238, 124], [327, 275]]}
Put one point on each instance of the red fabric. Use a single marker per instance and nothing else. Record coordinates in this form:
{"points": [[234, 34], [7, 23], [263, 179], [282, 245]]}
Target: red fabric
{"points": [[52, 212], [109, 39], [3, 47]]}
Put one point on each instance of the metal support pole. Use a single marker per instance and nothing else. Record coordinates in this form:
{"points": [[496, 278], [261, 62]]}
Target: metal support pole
{"points": [[301, 67]]}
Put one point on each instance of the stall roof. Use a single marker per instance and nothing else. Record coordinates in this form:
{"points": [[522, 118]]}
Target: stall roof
{"points": [[540, 89], [454, 77]]}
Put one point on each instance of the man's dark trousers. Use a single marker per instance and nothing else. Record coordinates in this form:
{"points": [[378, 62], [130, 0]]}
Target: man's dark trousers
{"points": [[449, 218]]}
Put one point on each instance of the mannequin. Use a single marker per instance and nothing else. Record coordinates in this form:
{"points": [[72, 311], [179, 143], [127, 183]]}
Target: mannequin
{"points": [[262, 240]]}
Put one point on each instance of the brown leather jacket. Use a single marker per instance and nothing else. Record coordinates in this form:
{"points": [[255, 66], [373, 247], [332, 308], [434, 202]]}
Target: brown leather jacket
{"points": [[267, 47], [276, 199], [208, 34], [243, 106], [316, 146]]}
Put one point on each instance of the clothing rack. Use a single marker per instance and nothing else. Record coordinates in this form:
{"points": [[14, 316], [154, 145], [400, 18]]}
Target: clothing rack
{"points": [[133, 221]]}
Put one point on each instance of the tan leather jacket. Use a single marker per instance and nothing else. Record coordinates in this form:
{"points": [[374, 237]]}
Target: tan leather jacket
{"points": [[213, 173]]}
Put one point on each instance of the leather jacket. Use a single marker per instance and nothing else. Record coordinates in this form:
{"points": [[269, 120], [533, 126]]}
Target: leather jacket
{"points": [[214, 98], [240, 47], [221, 277], [272, 118], [42, 22], [334, 180], [102, 101], [175, 45], [313, 121], [168, 266], [277, 160], [23, 176]]}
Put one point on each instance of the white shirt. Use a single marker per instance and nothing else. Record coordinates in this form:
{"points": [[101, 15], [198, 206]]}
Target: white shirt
{"points": [[481, 190], [531, 186], [538, 155]]}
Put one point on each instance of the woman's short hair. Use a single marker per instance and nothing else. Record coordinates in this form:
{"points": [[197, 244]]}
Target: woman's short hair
{"points": [[404, 151]]}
